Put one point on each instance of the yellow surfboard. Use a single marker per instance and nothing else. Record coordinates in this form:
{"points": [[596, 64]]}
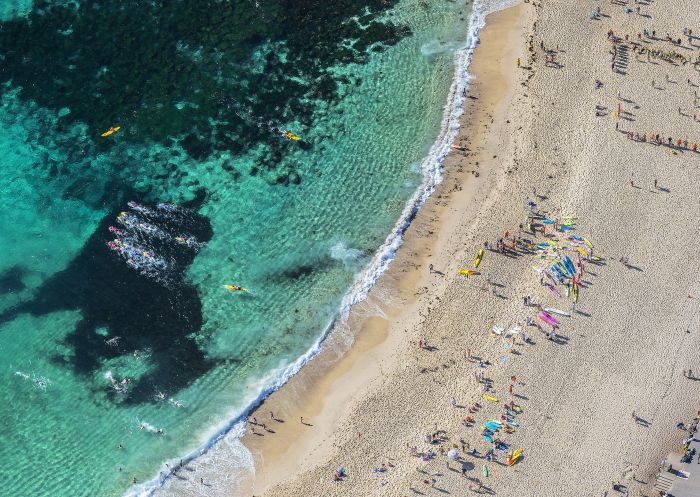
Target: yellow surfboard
{"points": [[574, 291], [292, 136], [492, 399], [581, 251], [514, 458], [479, 256], [466, 271]]}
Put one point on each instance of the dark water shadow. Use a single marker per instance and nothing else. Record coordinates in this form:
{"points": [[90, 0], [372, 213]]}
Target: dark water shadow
{"points": [[11, 280], [144, 314]]}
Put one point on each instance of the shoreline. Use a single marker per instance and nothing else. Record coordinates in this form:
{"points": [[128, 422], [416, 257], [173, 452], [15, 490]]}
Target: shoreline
{"points": [[328, 359], [600, 397], [601, 394], [321, 391]]}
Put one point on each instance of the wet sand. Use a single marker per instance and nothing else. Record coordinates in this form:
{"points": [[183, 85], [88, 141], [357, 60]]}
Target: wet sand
{"points": [[532, 133]]}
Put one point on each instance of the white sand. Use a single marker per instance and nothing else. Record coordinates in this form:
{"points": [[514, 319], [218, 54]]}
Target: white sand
{"points": [[624, 351]]}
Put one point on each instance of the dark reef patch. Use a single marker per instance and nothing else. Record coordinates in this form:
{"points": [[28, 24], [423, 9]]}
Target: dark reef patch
{"points": [[11, 280], [131, 62], [144, 314]]}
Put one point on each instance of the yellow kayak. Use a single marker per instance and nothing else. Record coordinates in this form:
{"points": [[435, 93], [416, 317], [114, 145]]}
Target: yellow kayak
{"points": [[466, 271], [292, 136], [492, 399], [111, 130], [235, 288], [479, 256], [587, 242]]}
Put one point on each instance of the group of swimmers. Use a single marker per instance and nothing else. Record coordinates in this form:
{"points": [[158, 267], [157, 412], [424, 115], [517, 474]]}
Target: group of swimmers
{"points": [[39, 382], [135, 239]]}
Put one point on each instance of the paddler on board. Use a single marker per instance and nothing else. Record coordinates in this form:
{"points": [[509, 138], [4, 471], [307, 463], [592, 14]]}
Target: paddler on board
{"points": [[111, 131]]}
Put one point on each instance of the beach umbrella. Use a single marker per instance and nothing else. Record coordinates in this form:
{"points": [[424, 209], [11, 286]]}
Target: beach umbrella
{"points": [[453, 454]]}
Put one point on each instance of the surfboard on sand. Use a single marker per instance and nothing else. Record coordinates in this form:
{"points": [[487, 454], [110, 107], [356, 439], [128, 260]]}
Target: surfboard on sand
{"points": [[554, 310], [514, 458], [479, 256], [468, 272]]}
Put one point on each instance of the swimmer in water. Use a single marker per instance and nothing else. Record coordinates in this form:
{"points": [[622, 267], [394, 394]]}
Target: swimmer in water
{"points": [[41, 383], [167, 207], [138, 207]]}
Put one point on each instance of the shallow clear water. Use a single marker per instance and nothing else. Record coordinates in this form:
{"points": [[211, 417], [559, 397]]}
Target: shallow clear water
{"points": [[292, 221]]}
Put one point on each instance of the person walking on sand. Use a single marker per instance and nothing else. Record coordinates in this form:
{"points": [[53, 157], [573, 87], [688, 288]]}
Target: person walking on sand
{"points": [[518, 61]]}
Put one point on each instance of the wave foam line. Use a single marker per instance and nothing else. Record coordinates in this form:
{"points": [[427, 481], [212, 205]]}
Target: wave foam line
{"points": [[431, 168]]}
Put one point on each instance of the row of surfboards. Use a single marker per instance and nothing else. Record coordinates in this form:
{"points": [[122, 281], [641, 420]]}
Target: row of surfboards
{"points": [[492, 426]]}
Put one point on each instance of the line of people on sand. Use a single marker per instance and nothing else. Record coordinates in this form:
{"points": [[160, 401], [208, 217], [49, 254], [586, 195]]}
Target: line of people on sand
{"points": [[656, 53], [656, 139]]}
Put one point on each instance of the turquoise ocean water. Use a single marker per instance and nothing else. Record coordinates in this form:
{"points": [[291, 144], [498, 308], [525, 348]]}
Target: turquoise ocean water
{"points": [[116, 359]]}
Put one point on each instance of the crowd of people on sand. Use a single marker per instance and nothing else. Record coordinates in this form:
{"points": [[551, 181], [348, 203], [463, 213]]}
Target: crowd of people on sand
{"points": [[669, 55], [687, 452], [691, 428], [551, 241]]}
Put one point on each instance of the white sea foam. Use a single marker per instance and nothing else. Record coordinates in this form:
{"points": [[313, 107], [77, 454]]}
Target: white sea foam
{"points": [[431, 167], [350, 257], [226, 438]]}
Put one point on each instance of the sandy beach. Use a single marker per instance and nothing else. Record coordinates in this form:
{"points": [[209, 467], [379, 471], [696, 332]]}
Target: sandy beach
{"points": [[554, 99]]}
